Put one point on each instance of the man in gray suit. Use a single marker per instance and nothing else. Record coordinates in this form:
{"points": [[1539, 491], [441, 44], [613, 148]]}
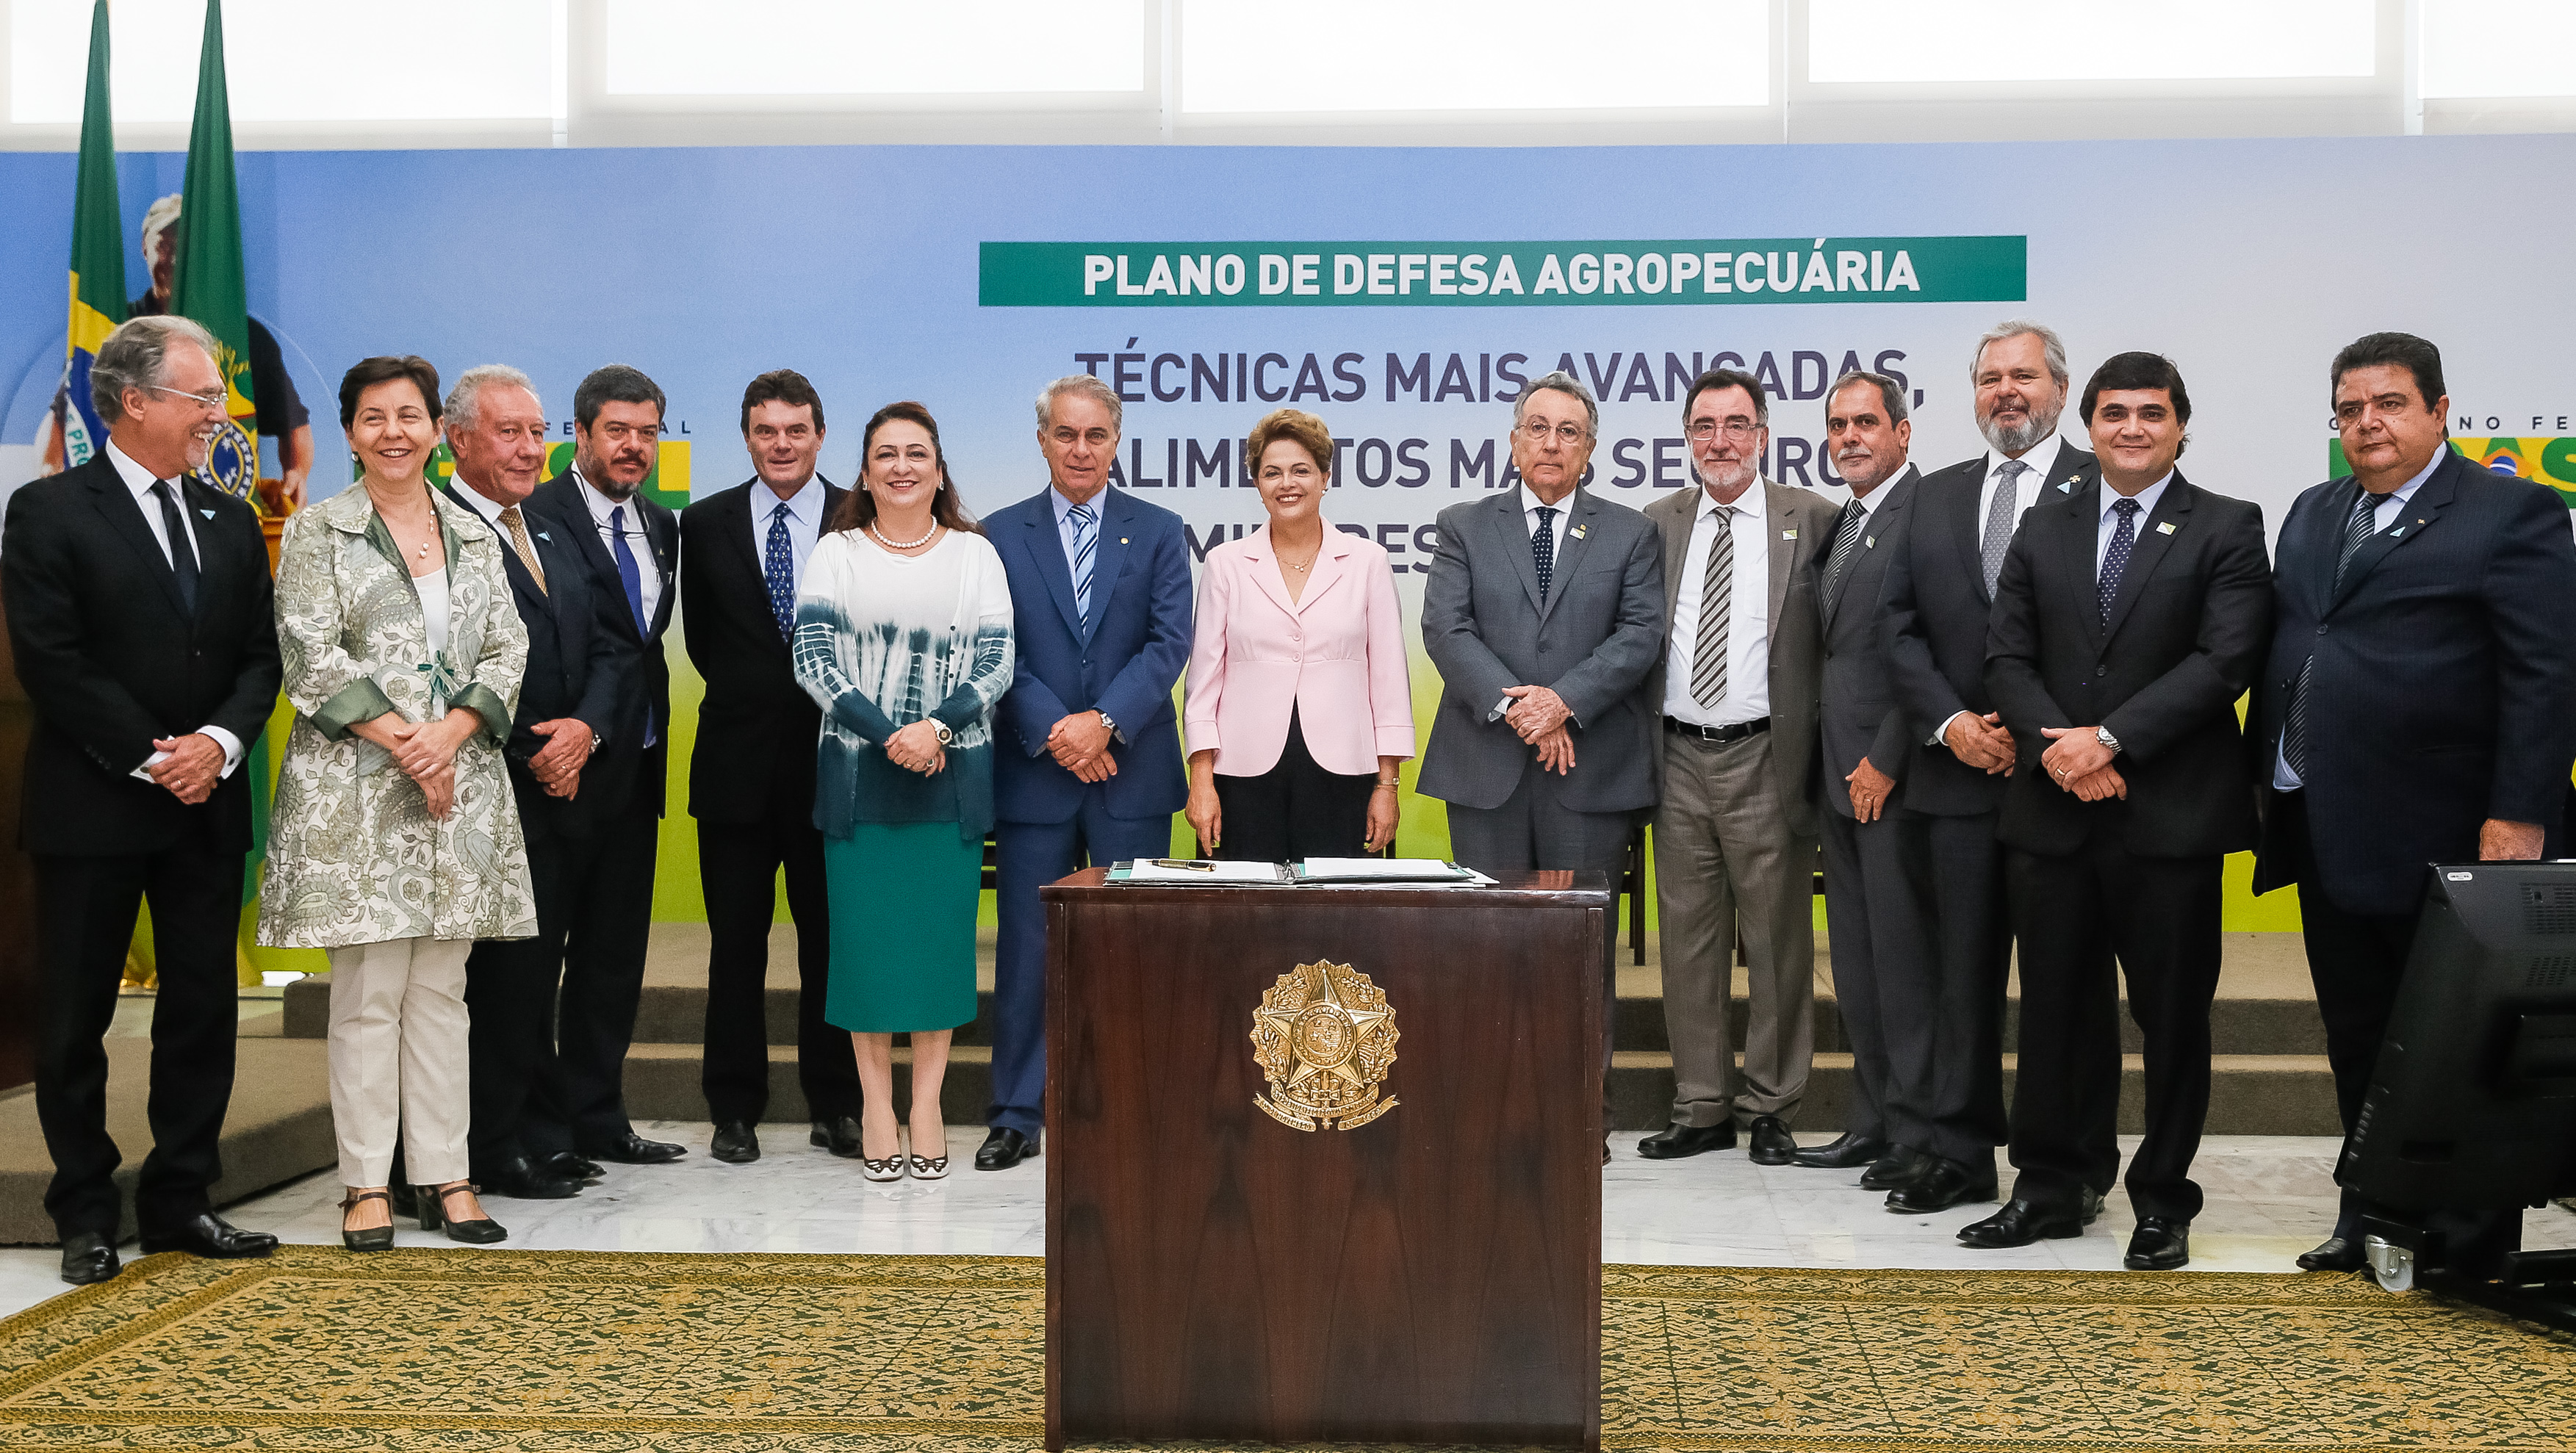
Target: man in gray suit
{"points": [[1544, 613], [1870, 907], [1735, 834]]}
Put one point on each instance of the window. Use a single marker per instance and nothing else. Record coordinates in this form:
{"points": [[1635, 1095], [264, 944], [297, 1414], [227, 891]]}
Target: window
{"points": [[2018, 40], [873, 48], [2499, 48]]}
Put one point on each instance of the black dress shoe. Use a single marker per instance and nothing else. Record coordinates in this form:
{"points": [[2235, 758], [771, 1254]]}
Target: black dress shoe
{"points": [[1902, 1163], [569, 1165], [633, 1149], [1940, 1184], [1843, 1152], [1005, 1148], [515, 1179], [2020, 1223], [839, 1136], [2161, 1243], [2335, 1253], [209, 1235], [736, 1143], [89, 1258], [1674, 1142], [2092, 1206], [1772, 1142]]}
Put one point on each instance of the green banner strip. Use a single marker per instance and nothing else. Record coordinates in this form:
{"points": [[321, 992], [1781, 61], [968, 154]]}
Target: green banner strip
{"points": [[1678, 273]]}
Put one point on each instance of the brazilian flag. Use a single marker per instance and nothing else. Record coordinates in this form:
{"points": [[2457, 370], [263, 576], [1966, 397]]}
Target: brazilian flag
{"points": [[208, 289], [98, 261]]}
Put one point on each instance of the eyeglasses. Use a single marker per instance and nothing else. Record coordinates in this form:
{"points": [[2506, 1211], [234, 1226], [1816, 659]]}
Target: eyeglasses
{"points": [[1738, 429], [213, 400], [1537, 431]]}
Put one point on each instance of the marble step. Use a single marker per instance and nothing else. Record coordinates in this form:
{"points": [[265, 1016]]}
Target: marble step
{"points": [[2249, 1095], [2264, 1004]]}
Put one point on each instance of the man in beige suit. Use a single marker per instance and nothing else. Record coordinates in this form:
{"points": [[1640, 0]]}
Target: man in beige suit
{"points": [[1735, 834]]}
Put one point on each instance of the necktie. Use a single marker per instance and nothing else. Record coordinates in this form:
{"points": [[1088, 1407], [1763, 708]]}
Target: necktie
{"points": [[519, 541], [2001, 516], [1543, 548], [2124, 538], [1846, 541], [2294, 732], [778, 566], [629, 573], [183, 555], [1085, 545], [1716, 603]]}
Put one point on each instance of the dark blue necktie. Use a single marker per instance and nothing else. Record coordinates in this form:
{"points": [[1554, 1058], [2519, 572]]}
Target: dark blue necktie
{"points": [[1543, 547], [779, 566], [2124, 538], [630, 574]]}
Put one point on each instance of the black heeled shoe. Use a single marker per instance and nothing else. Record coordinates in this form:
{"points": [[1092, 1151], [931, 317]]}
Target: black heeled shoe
{"points": [[433, 1212], [373, 1238]]}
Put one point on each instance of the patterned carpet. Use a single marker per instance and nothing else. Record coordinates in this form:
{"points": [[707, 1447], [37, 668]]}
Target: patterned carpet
{"points": [[587, 1352]]}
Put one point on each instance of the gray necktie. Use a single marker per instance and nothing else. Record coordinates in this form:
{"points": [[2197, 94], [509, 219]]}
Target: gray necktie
{"points": [[2001, 516], [1716, 602]]}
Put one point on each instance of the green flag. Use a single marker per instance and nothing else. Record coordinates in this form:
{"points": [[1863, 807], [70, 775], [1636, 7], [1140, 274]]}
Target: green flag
{"points": [[98, 261], [208, 288]]}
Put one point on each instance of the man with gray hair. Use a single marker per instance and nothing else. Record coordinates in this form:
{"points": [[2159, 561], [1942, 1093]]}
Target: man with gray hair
{"points": [[496, 428], [1940, 589], [1087, 765], [1735, 834], [139, 611], [1544, 612]]}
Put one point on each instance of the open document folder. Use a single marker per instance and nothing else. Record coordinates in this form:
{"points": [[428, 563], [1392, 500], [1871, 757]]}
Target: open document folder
{"points": [[1204, 872]]}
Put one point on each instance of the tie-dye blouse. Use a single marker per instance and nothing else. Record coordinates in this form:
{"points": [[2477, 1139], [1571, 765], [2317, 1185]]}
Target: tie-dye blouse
{"points": [[885, 640]]}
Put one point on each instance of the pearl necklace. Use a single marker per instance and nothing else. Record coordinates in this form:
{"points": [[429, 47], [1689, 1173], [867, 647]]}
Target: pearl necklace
{"points": [[900, 545]]}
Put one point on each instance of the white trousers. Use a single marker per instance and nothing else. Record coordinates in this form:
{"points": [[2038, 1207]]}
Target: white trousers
{"points": [[398, 1063]]}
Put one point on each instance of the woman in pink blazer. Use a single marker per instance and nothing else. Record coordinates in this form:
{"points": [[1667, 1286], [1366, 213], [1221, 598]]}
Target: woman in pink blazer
{"points": [[1299, 706]]}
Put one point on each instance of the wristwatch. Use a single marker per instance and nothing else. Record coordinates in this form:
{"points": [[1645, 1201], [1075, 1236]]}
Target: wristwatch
{"points": [[2103, 735], [1106, 722], [940, 729]]}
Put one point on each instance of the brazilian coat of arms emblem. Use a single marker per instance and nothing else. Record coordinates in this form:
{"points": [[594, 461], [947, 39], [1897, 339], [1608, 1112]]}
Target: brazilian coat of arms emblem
{"points": [[1325, 1038]]}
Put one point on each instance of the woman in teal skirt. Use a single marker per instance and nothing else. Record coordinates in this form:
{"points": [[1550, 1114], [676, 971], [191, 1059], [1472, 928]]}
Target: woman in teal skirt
{"points": [[903, 634]]}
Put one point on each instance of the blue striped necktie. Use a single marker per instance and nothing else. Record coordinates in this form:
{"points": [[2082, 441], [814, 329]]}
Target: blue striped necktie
{"points": [[1086, 543]]}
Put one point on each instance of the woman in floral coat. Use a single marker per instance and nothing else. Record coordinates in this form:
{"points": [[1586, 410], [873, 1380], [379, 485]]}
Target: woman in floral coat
{"points": [[396, 842]]}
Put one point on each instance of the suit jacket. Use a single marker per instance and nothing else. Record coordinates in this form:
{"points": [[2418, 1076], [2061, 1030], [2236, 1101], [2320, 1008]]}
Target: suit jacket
{"points": [[1934, 623], [1856, 697], [2443, 685], [111, 660], [757, 729], [1124, 662], [2185, 636], [1801, 527], [1593, 641], [626, 771], [576, 667], [1334, 657]]}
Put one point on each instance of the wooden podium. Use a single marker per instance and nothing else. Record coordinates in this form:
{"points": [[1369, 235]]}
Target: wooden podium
{"points": [[1432, 1274]]}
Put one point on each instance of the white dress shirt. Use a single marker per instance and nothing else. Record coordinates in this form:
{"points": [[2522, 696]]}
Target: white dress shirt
{"points": [[487, 507], [804, 525], [2391, 505], [2042, 474], [2110, 521], [1748, 621], [638, 539], [140, 481]]}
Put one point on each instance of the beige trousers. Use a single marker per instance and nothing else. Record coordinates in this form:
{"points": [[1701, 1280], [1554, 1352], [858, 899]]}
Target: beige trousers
{"points": [[1724, 856], [398, 1059]]}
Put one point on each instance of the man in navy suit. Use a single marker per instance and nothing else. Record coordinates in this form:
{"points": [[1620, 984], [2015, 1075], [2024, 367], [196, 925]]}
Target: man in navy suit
{"points": [[2418, 708], [567, 705], [1089, 765]]}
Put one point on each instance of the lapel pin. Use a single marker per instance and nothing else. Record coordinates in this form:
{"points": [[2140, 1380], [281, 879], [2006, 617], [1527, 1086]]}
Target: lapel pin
{"points": [[2165, 529], [1870, 544], [1576, 532], [2066, 488], [1788, 534], [2393, 534], [209, 514], [1122, 539], [542, 535]]}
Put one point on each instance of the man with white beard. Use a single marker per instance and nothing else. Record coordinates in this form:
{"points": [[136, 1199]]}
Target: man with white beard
{"points": [[1939, 589]]}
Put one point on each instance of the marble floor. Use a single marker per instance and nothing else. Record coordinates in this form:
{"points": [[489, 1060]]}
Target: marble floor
{"points": [[2269, 1198]]}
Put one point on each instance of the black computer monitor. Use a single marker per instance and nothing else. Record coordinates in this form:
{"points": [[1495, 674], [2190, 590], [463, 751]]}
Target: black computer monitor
{"points": [[2472, 1105]]}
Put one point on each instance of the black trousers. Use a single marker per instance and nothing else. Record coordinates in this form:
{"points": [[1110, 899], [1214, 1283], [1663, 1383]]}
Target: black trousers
{"points": [[608, 920], [85, 910], [1951, 1079], [738, 866], [2075, 914], [1294, 810], [2357, 961], [1878, 966], [510, 989]]}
